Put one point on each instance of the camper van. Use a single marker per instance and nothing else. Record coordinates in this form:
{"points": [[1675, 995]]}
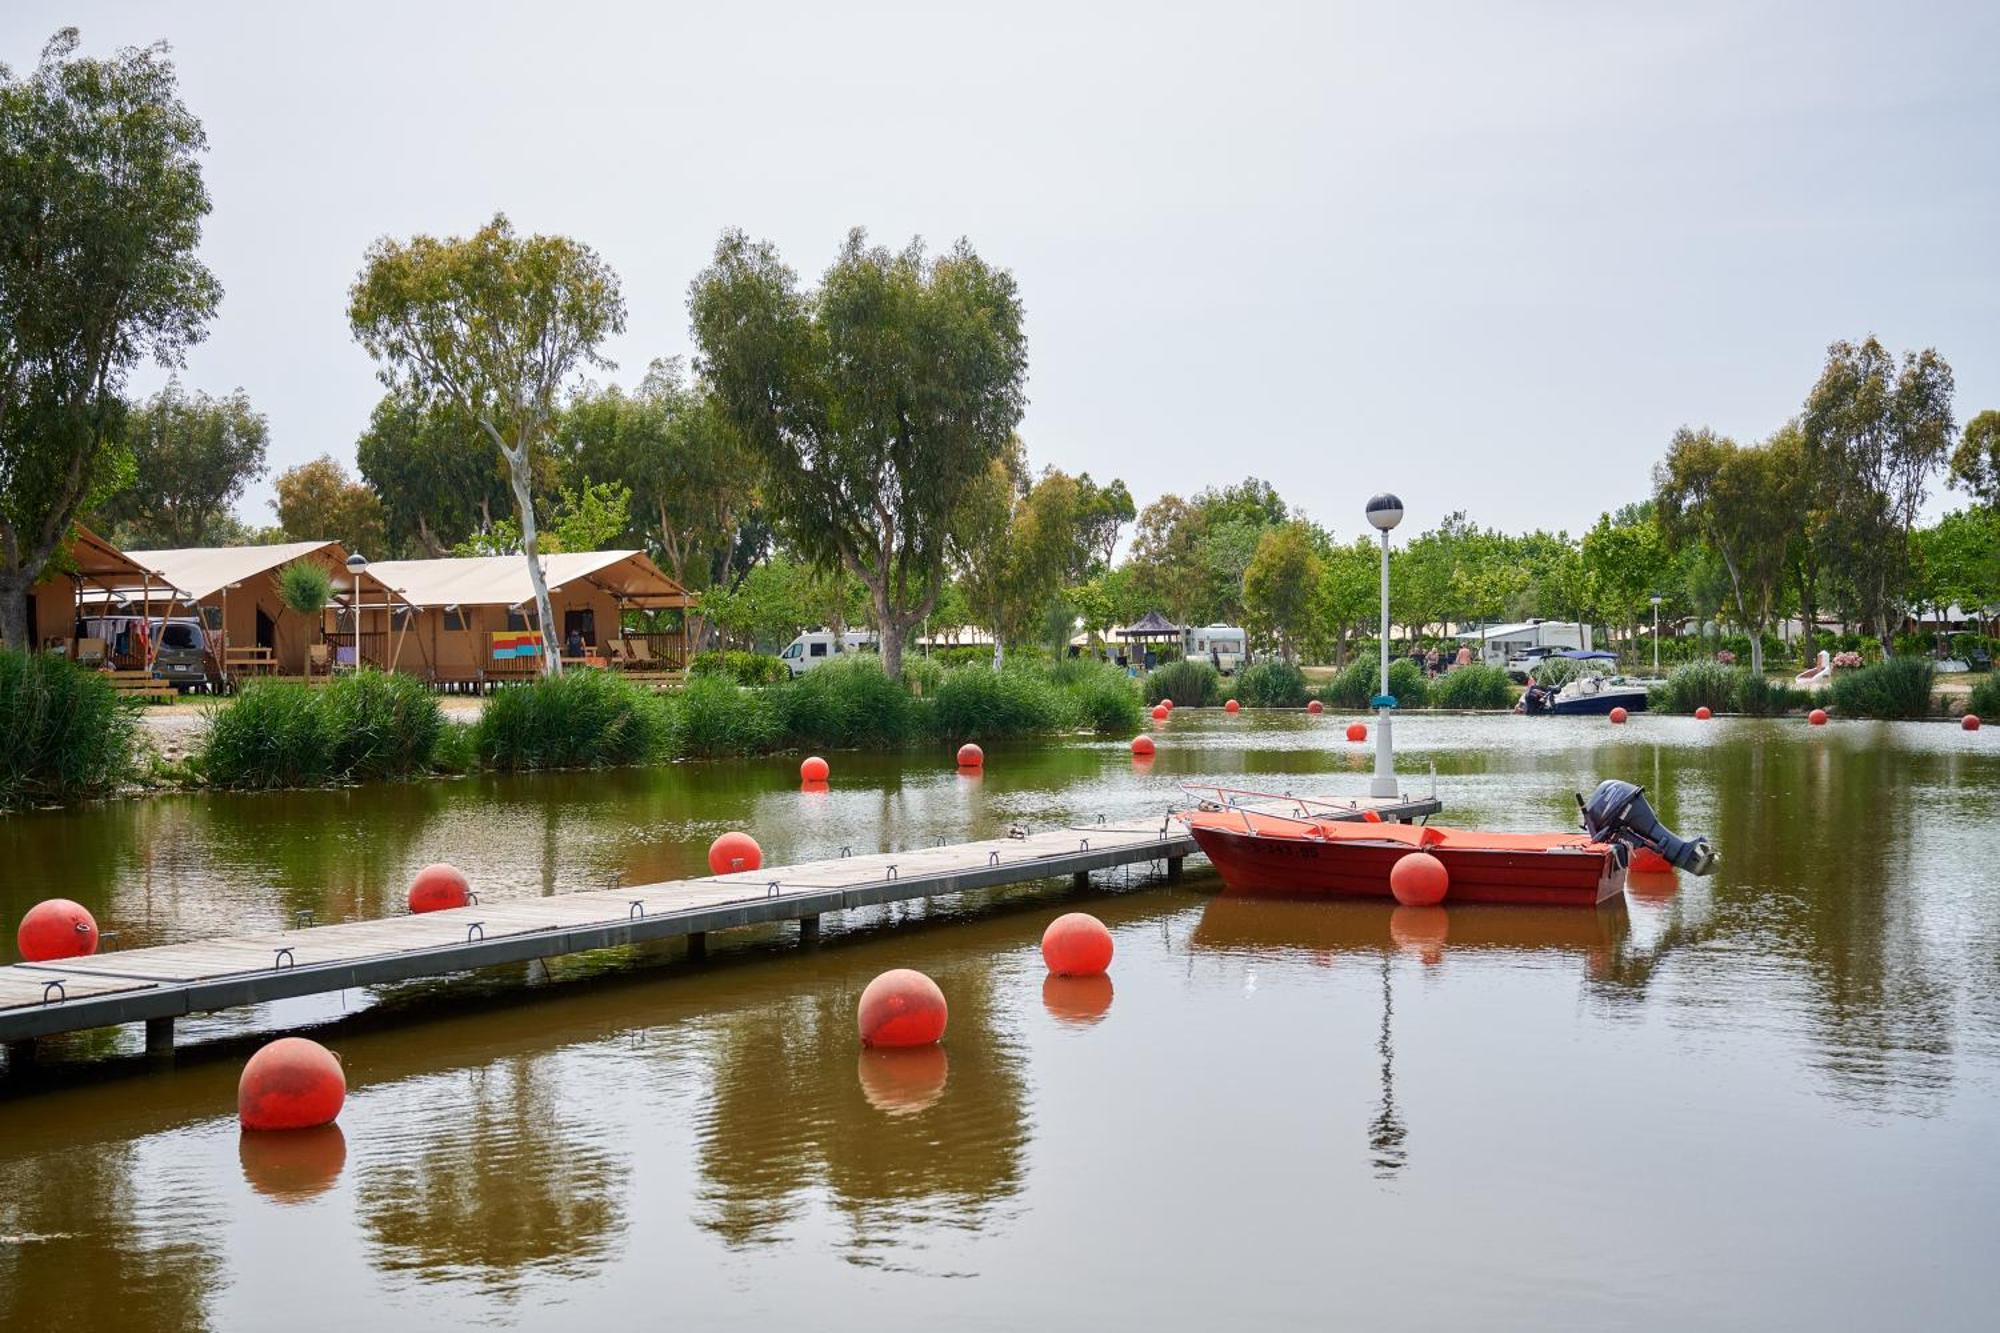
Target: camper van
{"points": [[180, 645], [816, 647], [1224, 647]]}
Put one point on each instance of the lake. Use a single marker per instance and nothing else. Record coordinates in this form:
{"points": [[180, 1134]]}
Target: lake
{"points": [[1766, 1099]]}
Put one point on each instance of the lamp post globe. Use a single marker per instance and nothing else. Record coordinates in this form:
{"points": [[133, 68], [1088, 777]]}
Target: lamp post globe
{"points": [[1385, 511]]}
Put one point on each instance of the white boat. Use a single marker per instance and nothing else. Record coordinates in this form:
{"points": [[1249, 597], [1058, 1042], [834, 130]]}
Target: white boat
{"points": [[1819, 675]]}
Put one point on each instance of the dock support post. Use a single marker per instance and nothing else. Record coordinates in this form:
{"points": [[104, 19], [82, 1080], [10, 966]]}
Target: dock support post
{"points": [[698, 944], [809, 929], [160, 1038], [1174, 869], [20, 1055], [1080, 880]]}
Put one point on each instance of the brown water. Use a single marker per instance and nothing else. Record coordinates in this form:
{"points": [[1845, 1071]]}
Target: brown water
{"points": [[1768, 1099]]}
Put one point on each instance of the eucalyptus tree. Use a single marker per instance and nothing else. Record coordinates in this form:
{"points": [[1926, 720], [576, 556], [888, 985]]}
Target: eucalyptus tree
{"points": [[1739, 503], [495, 325], [192, 457], [439, 477], [875, 404], [1281, 587], [101, 202], [1975, 464], [1019, 544]]}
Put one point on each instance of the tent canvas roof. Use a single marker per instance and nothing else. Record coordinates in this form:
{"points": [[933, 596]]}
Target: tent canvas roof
{"points": [[199, 572], [1152, 624], [502, 580], [91, 557]]}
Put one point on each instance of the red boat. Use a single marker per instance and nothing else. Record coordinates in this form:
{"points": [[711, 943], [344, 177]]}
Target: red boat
{"points": [[1257, 850]]}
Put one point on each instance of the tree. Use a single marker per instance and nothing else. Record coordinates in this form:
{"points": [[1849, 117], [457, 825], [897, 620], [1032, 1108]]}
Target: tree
{"points": [[1625, 566], [1872, 433], [101, 202], [318, 501], [1281, 586], [1975, 464], [494, 325], [875, 404], [439, 478], [1957, 560], [1102, 513], [192, 457], [1019, 546], [1349, 591], [1739, 503], [1168, 568]]}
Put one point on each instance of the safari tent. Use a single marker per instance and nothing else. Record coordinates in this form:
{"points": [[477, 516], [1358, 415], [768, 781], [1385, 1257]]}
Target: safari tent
{"points": [[236, 591]]}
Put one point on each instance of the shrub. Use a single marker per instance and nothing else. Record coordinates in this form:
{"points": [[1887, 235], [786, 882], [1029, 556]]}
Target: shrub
{"points": [[1101, 696], [1899, 687], [1188, 684], [846, 703], [272, 734], [67, 733], [1697, 685], [305, 587], [921, 674], [1271, 685], [1475, 686], [713, 717], [379, 724], [580, 719], [979, 703], [1760, 696], [743, 668], [1985, 699], [961, 655], [1355, 686]]}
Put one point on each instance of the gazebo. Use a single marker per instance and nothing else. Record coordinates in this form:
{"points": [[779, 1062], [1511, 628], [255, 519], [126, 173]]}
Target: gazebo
{"points": [[1150, 632]]}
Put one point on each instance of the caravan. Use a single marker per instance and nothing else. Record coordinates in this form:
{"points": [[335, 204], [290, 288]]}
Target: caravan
{"points": [[816, 647], [1224, 647], [1520, 647]]}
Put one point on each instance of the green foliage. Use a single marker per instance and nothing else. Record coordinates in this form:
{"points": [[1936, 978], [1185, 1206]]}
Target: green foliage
{"points": [[1188, 684], [1707, 684], [379, 724], [714, 718], [1271, 685], [1355, 686], [1898, 687], [978, 703], [1475, 686], [192, 457], [305, 587], [364, 726], [849, 702], [1099, 696], [580, 719], [64, 732], [1985, 699], [1760, 696], [743, 668]]}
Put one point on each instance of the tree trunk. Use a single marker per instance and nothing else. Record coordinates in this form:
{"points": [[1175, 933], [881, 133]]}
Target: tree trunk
{"points": [[524, 509], [14, 630]]}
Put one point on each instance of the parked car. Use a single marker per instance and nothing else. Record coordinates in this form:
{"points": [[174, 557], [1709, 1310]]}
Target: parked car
{"points": [[816, 647], [181, 654]]}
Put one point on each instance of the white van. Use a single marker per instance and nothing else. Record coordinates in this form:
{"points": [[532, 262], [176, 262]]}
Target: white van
{"points": [[818, 646], [1224, 647]]}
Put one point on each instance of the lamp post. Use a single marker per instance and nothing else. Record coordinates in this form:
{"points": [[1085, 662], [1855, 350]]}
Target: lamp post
{"points": [[355, 564], [1656, 635], [1385, 511]]}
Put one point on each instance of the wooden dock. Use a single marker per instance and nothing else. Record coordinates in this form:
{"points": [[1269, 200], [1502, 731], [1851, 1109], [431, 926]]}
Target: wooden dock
{"points": [[160, 984]]}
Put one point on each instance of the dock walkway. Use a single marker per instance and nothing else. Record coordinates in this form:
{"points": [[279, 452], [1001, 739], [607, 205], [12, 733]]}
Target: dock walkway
{"points": [[160, 984]]}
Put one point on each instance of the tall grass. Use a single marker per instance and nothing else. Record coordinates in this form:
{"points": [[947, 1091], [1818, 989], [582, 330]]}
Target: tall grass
{"points": [[847, 704], [1473, 686], [1188, 684], [744, 668], [1711, 685], [1985, 699], [64, 732], [1899, 687], [1355, 686], [1760, 696], [976, 703], [580, 719], [1101, 697], [380, 724], [1271, 685], [368, 725], [714, 718]]}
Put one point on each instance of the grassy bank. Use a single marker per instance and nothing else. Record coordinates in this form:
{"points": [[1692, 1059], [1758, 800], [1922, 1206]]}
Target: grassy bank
{"points": [[1898, 688], [65, 734]]}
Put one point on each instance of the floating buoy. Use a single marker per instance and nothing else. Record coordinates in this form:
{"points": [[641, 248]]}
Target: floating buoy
{"points": [[1419, 880], [438, 887], [1371, 817], [56, 928], [291, 1083], [1357, 731], [294, 1167], [1142, 745], [1168, 702], [902, 1007], [971, 756], [1817, 717], [1702, 714], [1159, 712], [1421, 931], [1076, 1001], [1076, 944], [1231, 706], [1646, 861], [734, 851], [1970, 722], [813, 769], [1315, 706], [1618, 715], [900, 1083]]}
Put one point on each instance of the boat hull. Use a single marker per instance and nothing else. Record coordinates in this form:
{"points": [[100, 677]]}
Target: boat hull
{"points": [[1600, 704], [1253, 863]]}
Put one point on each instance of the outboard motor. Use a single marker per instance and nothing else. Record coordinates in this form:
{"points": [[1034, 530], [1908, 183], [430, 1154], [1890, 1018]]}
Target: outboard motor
{"points": [[1619, 812]]}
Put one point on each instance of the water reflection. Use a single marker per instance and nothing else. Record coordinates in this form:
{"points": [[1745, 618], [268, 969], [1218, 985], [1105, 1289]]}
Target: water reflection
{"points": [[1077, 1001], [292, 1166]]}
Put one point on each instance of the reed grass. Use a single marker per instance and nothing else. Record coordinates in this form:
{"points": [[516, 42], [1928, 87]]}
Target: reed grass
{"points": [[65, 734], [1271, 684], [580, 719], [1473, 686], [1898, 687], [1188, 684]]}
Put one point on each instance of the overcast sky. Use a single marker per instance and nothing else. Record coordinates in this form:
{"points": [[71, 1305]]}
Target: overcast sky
{"points": [[1486, 255]]}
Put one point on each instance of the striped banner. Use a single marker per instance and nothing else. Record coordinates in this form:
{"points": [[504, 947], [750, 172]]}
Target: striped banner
{"points": [[516, 643]]}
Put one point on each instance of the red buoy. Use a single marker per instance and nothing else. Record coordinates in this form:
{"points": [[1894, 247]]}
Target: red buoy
{"points": [[1357, 731], [1231, 706], [1618, 715], [291, 1083], [1076, 944], [1419, 880], [57, 928], [1970, 722], [438, 887], [1168, 701], [1159, 712], [1315, 706], [971, 756], [734, 851], [1142, 745], [902, 1007], [1817, 717], [1702, 714], [813, 769]]}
